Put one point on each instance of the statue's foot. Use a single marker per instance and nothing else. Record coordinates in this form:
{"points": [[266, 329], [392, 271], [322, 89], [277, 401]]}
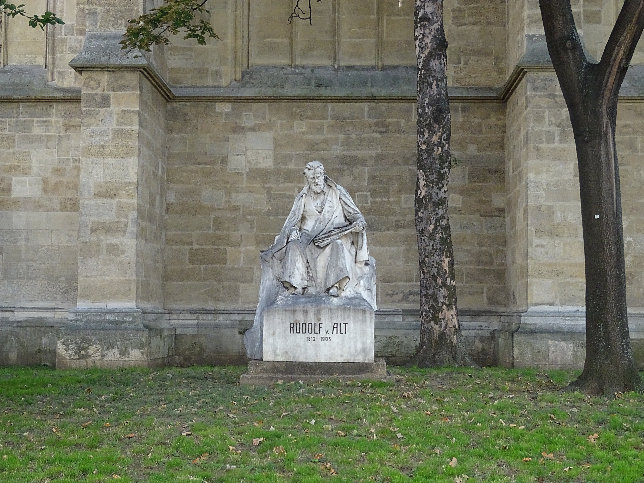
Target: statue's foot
{"points": [[333, 291]]}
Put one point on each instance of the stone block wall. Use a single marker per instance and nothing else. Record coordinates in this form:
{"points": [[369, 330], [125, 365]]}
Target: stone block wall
{"points": [[477, 204], [135, 195], [630, 150], [108, 192], [235, 168], [39, 183], [24, 45], [151, 194], [516, 221], [554, 245], [215, 63], [476, 35], [544, 220], [368, 33]]}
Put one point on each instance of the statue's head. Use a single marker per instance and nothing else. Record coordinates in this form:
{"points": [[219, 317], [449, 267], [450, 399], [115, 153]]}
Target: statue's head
{"points": [[314, 172]]}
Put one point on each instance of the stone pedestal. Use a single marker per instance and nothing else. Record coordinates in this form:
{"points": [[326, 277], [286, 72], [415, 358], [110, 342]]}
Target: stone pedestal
{"points": [[319, 329], [310, 338]]}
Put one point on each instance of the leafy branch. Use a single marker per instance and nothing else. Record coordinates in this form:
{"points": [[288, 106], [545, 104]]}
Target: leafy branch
{"points": [[48, 18], [171, 18]]}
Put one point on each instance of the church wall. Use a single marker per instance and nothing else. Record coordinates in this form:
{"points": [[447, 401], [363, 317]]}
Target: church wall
{"points": [[477, 204], [39, 183], [25, 45], [110, 128], [367, 33], [555, 248], [544, 219], [151, 195], [517, 125], [630, 149], [472, 61], [235, 168], [134, 204]]}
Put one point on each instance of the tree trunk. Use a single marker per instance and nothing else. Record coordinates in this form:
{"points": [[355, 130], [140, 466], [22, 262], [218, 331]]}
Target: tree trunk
{"points": [[439, 326], [591, 91]]}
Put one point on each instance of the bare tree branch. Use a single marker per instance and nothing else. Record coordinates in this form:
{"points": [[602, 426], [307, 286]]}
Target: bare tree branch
{"points": [[621, 45], [300, 13]]}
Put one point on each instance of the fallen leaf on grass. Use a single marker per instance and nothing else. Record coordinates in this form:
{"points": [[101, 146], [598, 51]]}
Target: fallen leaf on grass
{"points": [[461, 478], [257, 441], [232, 449], [527, 459], [279, 450], [201, 458], [548, 456], [330, 469], [84, 425], [593, 438], [186, 433], [453, 462], [107, 425], [130, 436]]}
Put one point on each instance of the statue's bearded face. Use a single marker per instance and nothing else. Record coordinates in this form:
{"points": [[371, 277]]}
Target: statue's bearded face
{"points": [[315, 179]]}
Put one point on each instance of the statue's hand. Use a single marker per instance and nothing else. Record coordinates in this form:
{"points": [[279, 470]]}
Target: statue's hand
{"points": [[360, 227], [294, 235]]}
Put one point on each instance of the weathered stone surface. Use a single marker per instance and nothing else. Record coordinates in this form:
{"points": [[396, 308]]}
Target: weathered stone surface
{"points": [[113, 338]]}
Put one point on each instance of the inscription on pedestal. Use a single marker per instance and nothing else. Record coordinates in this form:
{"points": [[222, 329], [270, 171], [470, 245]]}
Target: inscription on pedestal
{"points": [[318, 333]]}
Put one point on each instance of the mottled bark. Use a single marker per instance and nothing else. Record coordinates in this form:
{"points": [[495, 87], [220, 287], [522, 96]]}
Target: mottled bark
{"points": [[591, 91], [439, 326]]}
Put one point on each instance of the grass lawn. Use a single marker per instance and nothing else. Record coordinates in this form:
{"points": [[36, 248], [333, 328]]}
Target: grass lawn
{"points": [[198, 424]]}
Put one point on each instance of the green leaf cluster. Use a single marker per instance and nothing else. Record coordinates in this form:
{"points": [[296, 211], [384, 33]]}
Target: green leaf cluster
{"points": [[48, 18], [189, 17]]}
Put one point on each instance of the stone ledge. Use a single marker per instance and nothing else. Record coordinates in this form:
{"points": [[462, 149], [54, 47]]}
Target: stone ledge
{"points": [[263, 373]]}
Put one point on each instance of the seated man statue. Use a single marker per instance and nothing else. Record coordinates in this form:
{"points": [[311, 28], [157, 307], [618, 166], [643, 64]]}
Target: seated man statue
{"points": [[321, 251], [322, 240]]}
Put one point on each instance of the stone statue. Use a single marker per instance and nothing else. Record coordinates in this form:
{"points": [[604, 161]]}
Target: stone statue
{"points": [[321, 251], [322, 238]]}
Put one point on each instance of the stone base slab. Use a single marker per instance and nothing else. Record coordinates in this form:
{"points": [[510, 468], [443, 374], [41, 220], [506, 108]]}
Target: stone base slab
{"points": [[263, 373], [542, 337]]}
